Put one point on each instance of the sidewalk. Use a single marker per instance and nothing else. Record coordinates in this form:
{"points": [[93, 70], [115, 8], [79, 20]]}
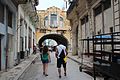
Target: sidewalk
{"points": [[79, 60], [85, 63], [17, 71]]}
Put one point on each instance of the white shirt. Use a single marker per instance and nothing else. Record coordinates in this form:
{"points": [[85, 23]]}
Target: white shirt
{"points": [[60, 48]]}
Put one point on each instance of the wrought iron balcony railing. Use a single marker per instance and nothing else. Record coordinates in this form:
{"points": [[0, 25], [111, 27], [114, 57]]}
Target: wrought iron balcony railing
{"points": [[21, 1]]}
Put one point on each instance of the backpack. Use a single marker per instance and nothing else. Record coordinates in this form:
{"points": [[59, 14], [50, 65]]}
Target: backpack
{"points": [[62, 54]]}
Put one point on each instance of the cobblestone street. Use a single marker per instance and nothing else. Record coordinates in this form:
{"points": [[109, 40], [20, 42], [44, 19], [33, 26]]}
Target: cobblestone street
{"points": [[73, 73]]}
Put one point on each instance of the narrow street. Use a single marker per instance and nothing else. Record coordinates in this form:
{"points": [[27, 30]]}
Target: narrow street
{"points": [[73, 73], [89, 30]]}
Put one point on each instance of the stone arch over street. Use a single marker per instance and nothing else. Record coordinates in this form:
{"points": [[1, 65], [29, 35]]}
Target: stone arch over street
{"points": [[57, 37]]}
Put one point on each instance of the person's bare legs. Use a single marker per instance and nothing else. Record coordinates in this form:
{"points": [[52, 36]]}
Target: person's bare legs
{"points": [[64, 71], [46, 69], [43, 69], [59, 71], [64, 66]]}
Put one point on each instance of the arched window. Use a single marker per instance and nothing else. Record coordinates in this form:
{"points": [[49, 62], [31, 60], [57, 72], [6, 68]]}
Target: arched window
{"points": [[61, 22], [53, 20], [46, 21]]}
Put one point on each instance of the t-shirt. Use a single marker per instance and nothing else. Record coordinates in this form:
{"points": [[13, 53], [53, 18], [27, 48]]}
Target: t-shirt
{"points": [[45, 56], [60, 48]]}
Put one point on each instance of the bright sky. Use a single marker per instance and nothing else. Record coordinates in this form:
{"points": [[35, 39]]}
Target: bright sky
{"points": [[44, 4]]}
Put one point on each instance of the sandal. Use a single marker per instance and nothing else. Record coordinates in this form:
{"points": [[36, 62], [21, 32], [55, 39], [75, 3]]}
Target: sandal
{"points": [[64, 74], [46, 74], [59, 76]]}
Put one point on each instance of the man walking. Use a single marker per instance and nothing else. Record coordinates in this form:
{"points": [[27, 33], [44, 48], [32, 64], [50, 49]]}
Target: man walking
{"points": [[61, 53]]}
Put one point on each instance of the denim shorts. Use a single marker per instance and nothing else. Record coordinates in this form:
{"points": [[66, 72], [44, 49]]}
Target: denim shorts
{"points": [[45, 61], [61, 62]]}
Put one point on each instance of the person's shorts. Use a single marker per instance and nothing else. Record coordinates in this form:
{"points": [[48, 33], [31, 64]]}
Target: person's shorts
{"points": [[45, 61], [61, 62]]}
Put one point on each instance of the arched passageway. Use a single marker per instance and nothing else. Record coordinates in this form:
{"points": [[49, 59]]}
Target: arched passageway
{"points": [[57, 37]]}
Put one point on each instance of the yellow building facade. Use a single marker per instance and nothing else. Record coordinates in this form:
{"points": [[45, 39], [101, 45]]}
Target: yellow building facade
{"points": [[53, 21]]}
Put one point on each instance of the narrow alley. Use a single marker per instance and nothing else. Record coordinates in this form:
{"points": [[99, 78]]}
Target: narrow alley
{"points": [[85, 31]]}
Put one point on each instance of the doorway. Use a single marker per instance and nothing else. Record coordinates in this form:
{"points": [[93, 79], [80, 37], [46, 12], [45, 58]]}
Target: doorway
{"points": [[77, 40]]}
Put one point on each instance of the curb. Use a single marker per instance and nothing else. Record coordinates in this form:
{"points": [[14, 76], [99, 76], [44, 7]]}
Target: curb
{"points": [[74, 60], [16, 72], [82, 65], [25, 69]]}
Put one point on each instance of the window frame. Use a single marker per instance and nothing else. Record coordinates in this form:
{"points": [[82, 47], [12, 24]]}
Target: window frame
{"points": [[1, 13], [52, 23]]}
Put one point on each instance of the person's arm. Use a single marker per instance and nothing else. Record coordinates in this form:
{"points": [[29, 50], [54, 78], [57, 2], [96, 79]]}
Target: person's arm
{"points": [[49, 57], [66, 52], [56, 52]]}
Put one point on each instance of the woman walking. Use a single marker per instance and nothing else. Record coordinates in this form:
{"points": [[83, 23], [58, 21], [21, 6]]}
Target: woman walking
{"points": [[45, 60]]}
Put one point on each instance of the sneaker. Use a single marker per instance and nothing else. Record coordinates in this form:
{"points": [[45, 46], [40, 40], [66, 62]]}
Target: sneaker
{"points": [[64, 74]]}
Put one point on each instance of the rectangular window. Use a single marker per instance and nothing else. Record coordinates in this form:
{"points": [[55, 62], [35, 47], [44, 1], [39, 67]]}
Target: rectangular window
{"points": [[1, 13], [42, 31], [53, 21], [46, 21], [29, 44], [111, 29], [30, 38], [106, 4], [21, 43], [98, 10], [9, 18]]}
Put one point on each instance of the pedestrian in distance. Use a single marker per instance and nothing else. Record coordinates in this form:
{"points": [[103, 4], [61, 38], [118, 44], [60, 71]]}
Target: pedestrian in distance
{"points": [[61, 53], [45, 57], [41, 48]]}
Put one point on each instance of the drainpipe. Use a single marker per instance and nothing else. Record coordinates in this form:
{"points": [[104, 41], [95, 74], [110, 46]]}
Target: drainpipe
{"points": [[119, 12], [113, 16], [103, 26], [94, 25]]}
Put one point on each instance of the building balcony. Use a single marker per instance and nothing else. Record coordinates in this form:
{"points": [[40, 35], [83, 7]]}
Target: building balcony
{"points": [[72, 5], [25, 1], [30, 9], [21, 1], [17, 2]]}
